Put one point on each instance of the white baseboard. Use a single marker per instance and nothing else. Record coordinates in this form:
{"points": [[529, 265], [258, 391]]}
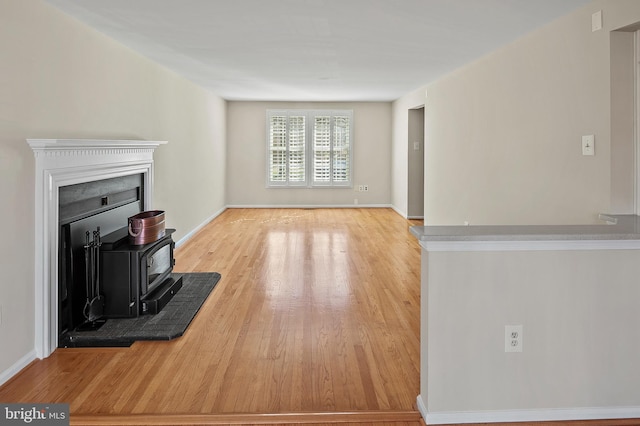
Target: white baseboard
{"points": [[189, 235], [273, 206], [512, 416], [422, 407], [405, 215], [309, 206], [6, 375], [400, 212], [199, 227]]}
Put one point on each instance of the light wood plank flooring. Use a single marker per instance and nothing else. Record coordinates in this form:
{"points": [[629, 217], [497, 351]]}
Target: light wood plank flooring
{"points": [[317, 311], [315, 321]]}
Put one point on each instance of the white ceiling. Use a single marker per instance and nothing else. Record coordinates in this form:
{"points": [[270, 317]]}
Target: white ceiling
{"points": [[315, 50]]}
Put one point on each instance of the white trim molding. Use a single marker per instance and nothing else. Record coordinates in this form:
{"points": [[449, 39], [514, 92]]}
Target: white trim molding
{"points": [[309, 206], [6, 375], [62, 162], [195, 230], [530, 245], [400, 212], [513, 416]]}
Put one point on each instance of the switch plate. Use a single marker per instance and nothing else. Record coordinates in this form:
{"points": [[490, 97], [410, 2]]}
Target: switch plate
{"points": [[588, 145], [513, 338], [416, 146], [596, 21]]}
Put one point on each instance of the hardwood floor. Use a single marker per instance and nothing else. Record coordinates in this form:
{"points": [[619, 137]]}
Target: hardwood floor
{"points": [[317, 311], [315, 321]]}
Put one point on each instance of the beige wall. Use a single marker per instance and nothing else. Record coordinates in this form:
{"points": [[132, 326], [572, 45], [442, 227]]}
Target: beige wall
{"points": [[502, 143], [503, 134], [246, 157], [581, 341], [60, 79]]}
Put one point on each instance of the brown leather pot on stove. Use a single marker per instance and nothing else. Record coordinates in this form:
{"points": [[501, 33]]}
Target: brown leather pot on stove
{"points": [[146, 227]]}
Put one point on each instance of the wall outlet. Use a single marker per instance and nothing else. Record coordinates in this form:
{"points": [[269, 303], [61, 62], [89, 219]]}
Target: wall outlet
{"points": [[360, 188], [513, 338], [365, 188]]}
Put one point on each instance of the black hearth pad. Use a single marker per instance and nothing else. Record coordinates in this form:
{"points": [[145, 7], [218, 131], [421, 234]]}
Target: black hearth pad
{"points": [[170, 323]]}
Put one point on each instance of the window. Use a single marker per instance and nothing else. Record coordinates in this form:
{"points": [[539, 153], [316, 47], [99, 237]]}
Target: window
{"points": [[309, 148]]}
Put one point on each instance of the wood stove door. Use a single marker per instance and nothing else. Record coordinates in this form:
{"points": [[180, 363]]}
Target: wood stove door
{"points": [[159, 265]]}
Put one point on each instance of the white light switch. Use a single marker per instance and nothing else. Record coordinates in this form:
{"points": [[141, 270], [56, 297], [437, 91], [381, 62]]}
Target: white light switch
{"points": [[596, 21], [416, 146], [588, 145]]}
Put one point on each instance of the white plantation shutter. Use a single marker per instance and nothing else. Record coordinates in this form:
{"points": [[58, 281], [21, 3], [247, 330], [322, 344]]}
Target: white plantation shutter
{"points": [[322, 149], [286, 144], [297, 133], [278, 148], [341, 149], [309, 148]]}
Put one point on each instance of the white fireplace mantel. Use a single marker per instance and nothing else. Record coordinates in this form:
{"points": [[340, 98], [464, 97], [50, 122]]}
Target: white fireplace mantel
{"points": [[62, 162]]}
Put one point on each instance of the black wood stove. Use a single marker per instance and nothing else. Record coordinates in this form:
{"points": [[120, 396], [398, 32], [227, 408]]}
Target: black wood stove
{"points": [[136, 278], [108, 277]]}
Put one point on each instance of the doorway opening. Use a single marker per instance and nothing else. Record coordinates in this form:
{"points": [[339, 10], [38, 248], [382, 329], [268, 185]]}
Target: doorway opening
{"points": [[415, 161]]}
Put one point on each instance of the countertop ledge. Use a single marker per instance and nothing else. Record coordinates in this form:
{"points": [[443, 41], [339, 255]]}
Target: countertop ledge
{"points": [[620, 227]]}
